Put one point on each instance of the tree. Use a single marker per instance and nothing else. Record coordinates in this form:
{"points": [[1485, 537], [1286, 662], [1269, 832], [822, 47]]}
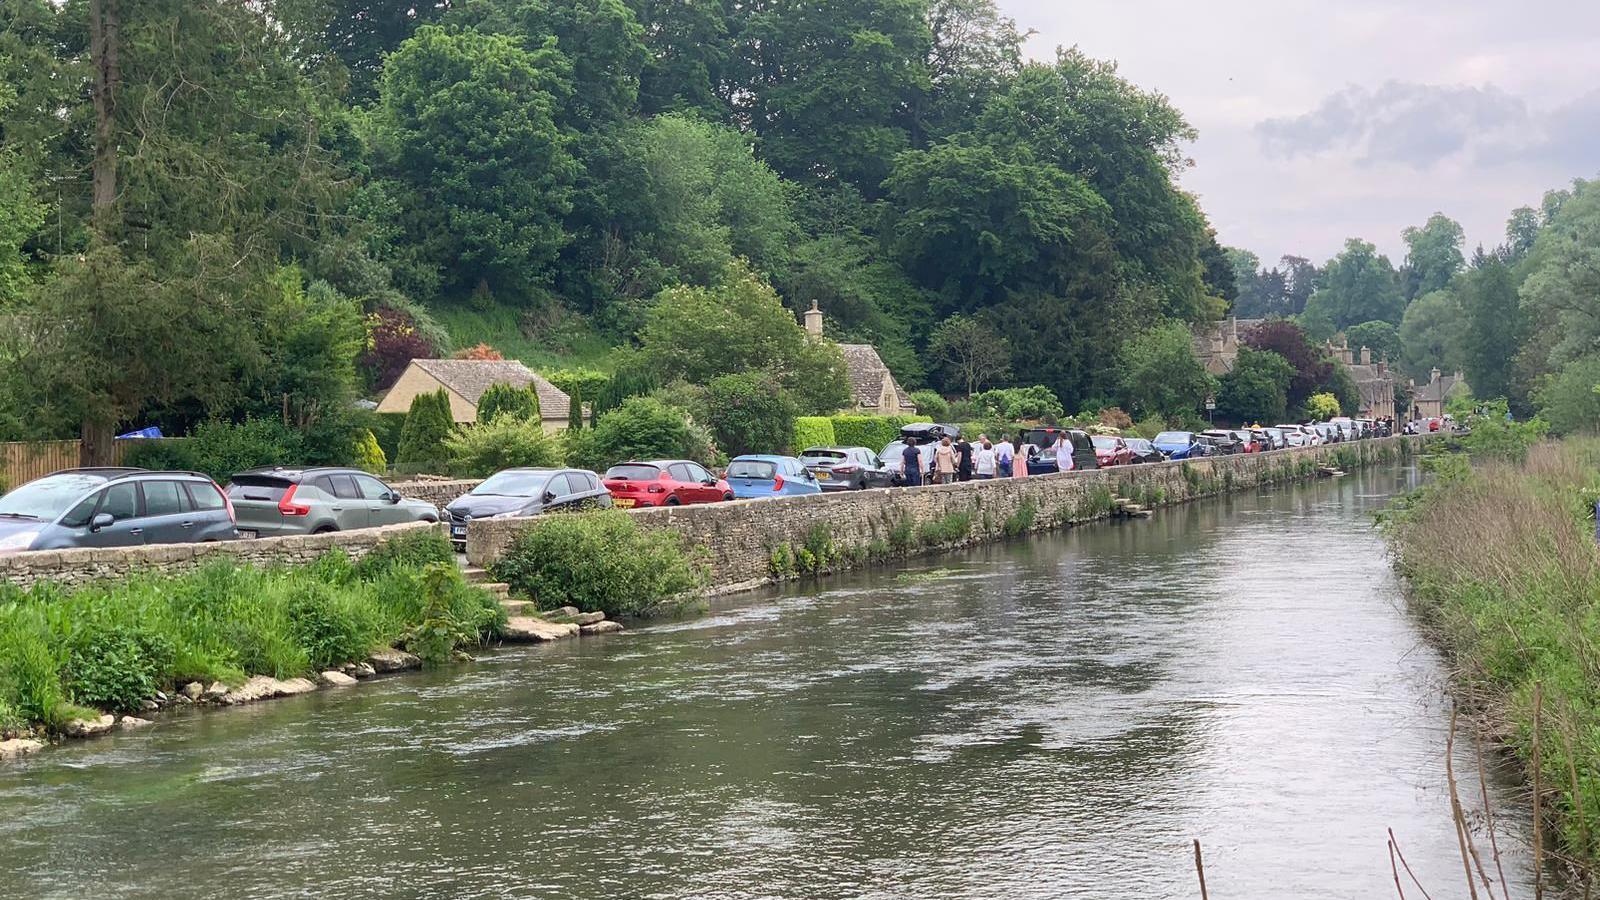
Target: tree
{"points": [[1493, 326], [748, 413], [359, 34], [1256, 389], [1322, 407], [973, 50], [478, 173], [1431, 335], [505, 442], [1433, 255], [930, 404], [969, 354], [641, 428], [688, 51], [521, 403], [740, 325], [1358, 285], [1311, 367], [1161, 375], [1382, 338], [422, 439], [1570, 399], [1564, 276]]}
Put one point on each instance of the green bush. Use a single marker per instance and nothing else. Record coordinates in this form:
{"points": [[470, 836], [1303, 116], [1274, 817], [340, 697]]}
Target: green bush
{"points": [[598, 560], [641, 428], [411, 550], [504, 400], [221, 449], [386, 428], [1018, 404], [114, 665], [369, 455], [477, 451], [872, 432], [748, 413], [930, 405], [422, 439], [812, 431]]}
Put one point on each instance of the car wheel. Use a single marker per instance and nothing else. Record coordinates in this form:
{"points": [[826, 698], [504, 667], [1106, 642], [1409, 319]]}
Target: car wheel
{"points": [[672, 501], [326, 529], [728, 497]]}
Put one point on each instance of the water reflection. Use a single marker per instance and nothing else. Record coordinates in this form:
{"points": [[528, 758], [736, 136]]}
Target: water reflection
{"points": [[1051, 718]]}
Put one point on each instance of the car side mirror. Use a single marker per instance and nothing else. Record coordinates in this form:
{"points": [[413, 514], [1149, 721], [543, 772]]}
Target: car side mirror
{"points": [[102, 520], [549, 496], [709, 482], [392, 497]]}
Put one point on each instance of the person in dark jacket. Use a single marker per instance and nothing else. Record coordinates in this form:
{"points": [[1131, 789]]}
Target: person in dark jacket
{"points": [[911, 464], [963, 460]]}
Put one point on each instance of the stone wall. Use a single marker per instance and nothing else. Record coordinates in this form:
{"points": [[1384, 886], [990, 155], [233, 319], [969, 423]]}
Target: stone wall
{"points": [[436, 491], [75, 567], [751, 541]]}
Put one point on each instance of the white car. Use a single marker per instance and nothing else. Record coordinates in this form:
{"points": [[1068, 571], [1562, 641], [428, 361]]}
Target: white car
{"points": [[1300, 435]]}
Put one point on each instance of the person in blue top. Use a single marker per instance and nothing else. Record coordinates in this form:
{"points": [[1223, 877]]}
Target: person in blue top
{"points": [[911, 461]]}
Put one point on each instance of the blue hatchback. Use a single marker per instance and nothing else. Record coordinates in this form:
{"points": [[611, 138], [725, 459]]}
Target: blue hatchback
{"points": [[770, 476], [1179, 444]]}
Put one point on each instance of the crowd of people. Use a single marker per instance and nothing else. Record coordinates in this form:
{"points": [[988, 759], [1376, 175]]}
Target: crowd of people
{"points": [[981, 460]]}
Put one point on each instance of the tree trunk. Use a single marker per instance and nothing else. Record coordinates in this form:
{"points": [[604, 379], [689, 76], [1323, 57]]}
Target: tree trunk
{"points": [[96, 443], [104, 24]]}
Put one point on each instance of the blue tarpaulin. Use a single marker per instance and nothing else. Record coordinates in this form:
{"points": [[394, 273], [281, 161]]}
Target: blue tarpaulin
{"points": [[151, 432]]}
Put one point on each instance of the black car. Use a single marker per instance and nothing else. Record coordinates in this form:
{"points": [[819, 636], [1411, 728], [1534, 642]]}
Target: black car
{"points": [[1144, 451], [525, 492], [1042, 459], [1220, 444], [847, 468]]}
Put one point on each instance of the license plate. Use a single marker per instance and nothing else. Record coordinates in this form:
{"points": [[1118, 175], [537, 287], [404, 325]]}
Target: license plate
{"points": [[623, 502], [823, 474], [249, 533], [459, 531]]}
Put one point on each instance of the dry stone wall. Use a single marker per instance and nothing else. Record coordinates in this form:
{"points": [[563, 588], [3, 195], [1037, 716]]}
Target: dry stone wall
{"points": [[748, 542], [75, 567], [436, 491]]}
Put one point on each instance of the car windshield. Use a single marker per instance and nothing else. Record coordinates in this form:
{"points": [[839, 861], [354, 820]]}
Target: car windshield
{"points": [[1104, 442], [1173, 437], [751, 468], [817, 454], [513, 484], [633, 472], [1138, 444], [256, 487], [48, 497]]}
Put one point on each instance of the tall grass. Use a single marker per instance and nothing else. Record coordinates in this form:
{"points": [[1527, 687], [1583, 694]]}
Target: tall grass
{"points": [[1504, 568], [111, 645]]}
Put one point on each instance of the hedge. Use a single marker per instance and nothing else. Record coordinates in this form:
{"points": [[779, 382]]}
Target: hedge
{"points": [[813, 431]]}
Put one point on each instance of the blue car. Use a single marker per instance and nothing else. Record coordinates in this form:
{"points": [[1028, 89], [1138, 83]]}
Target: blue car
{"points": [[770, 476], [1179, 444]]}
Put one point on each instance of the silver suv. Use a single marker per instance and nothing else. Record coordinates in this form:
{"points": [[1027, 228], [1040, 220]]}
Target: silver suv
{"points": [[114, 508], [272, 502]]}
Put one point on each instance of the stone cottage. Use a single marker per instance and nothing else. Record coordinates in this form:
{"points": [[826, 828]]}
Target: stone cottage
{"points": [[466, 380], [873, 389]]}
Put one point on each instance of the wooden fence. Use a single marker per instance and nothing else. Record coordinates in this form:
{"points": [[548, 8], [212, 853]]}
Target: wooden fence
{"points": [[22, 462]]}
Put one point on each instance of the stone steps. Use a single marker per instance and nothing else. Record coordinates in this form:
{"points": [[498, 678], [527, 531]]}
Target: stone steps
{"points": [[476, 575]]}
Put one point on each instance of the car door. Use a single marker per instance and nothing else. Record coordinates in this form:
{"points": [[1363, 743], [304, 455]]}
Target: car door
{"points": [[167, 517], [698, 476], [121, 502], [683, 486], [558, 493], [375, 496], [349, 509]]}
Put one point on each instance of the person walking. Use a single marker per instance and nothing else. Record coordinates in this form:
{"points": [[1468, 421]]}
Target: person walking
{"points": [[1063, 451], [1003, 452], [963, 460], [911, 464], [984, 459], [944, 461]]}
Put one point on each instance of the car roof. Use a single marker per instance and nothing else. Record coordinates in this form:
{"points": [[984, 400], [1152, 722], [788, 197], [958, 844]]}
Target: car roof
{"points": [[763, 457], [839, 447], [292, 472], [114, 473]]}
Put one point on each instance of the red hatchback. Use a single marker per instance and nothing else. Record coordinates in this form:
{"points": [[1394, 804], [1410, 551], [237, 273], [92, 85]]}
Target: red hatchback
{"points": [[1110, 450], [664, 482]]}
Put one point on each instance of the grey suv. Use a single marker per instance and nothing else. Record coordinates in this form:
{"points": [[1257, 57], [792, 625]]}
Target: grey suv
{"points": [[272, 502], [114, 508]]}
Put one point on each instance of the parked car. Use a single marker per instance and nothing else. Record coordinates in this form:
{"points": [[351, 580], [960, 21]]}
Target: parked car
{"points": [[1144, 451], [1330, 432], [1308, 436], [1292, 436], [277, 501], [1043, 461], [114, 507], [1252, 443], [1225, 441], [1178, 444], [1110, 450], [893, 459], [664, 482], [1276, 440], [759, 475], [847, 468], [525, 492], [1220, 443]]}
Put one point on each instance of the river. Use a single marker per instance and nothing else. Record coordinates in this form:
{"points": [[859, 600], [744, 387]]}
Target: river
{"points": [[1052, 717]]}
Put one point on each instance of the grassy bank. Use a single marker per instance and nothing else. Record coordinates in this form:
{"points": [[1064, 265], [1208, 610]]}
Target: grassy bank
{"points": [[1504, 569], [112, 645]]}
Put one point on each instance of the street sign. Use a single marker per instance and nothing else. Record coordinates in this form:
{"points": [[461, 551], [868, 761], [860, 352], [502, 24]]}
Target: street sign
{"points": [[1211, 403]]}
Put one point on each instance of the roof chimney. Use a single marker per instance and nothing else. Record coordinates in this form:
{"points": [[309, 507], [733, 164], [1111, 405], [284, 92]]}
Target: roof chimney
{"points": [[814, 320], [1434, 376], [1366, 356], [1383, 364]]}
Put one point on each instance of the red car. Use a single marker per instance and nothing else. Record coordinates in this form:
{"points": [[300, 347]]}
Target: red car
{"points": [[1110, 450], [664, 482]]}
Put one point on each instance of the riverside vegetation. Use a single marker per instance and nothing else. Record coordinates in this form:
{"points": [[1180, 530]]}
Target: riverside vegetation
{"points": [[113, 645], [1504, 569]]}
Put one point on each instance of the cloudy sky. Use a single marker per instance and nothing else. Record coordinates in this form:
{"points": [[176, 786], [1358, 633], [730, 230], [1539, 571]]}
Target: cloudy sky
{"points": [[1320, 121]]}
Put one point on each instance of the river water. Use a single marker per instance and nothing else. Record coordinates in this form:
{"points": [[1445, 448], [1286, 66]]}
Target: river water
{"points": [[1052, 717]]}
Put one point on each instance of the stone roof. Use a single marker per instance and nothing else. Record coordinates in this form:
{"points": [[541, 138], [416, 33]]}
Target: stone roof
{"points": [[469, 378], [1438, 391], [866, 371]]}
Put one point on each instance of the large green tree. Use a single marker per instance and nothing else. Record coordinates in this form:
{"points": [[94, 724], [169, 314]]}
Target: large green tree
{"points": [[1359, 285], [1257, 388], [1493, 325], [1431, 335], [969, 355], [1161, 375], [1433, 255]]}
